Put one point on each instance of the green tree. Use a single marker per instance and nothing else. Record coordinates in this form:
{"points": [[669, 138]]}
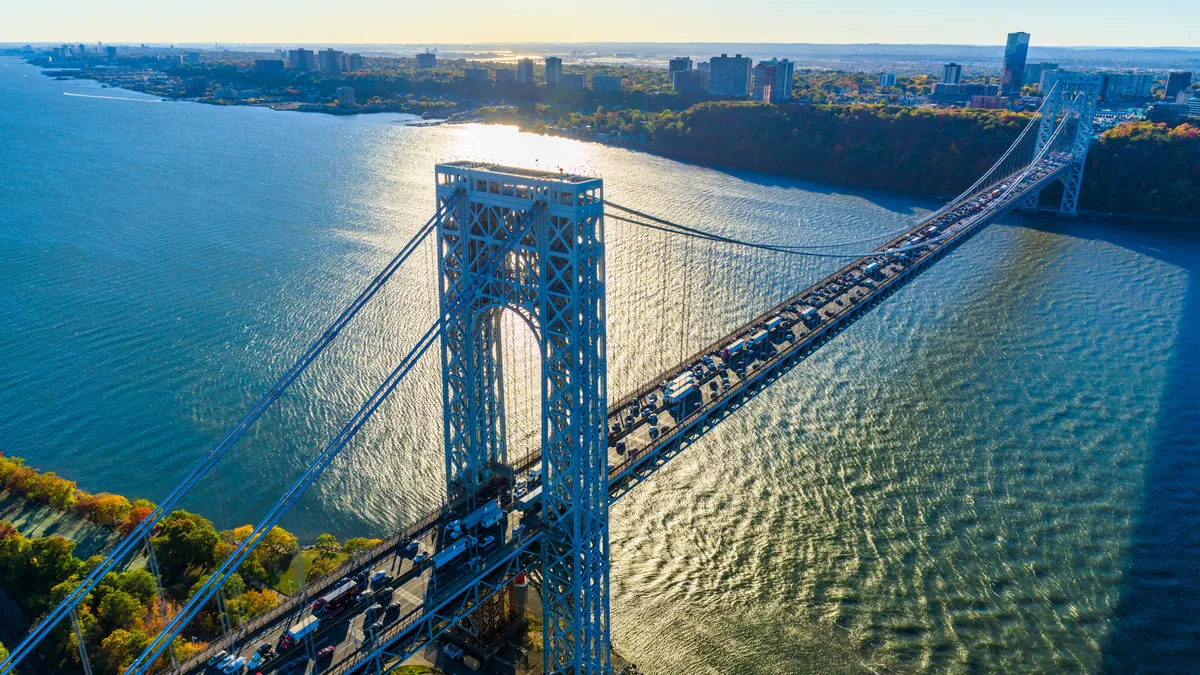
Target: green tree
{"points": [[118, 650], [328, 544], [119, 609], [352, 546], [186, 541]]}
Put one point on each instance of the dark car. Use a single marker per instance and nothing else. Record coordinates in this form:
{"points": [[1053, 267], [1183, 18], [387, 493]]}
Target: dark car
{"points": [[325, 652], [266, 649]]}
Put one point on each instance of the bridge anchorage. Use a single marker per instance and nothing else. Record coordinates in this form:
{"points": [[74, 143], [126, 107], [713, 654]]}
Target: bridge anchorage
{"points": [[532, 243]]}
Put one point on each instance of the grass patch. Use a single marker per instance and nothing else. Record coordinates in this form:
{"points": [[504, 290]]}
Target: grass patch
{"points": [[287, 582]]}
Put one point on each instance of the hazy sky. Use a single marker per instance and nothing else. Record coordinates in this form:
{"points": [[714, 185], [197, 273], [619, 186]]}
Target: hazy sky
{"points": [[1051, 22]]}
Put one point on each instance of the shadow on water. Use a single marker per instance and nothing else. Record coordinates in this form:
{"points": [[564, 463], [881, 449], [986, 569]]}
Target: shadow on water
{"points": [[1154, 627]]}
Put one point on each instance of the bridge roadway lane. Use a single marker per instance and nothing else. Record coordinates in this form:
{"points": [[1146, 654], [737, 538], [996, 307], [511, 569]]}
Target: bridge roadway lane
{"points": [[632, 442]]}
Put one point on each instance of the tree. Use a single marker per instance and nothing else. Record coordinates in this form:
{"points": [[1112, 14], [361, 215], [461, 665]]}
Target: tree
{"points": [[320, 566], [109, 509], [119, 648], [119, 609], [257, 602], [352, 546], [328, 545], [139, 584], [185, 541]]}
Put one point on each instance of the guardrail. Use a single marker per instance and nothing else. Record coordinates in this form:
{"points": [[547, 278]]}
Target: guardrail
{"points": [[320, 585]]}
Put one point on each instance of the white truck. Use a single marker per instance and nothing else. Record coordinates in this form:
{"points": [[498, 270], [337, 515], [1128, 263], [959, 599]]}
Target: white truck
{"points": [[449, 553], [297, 632], [486, 516]]}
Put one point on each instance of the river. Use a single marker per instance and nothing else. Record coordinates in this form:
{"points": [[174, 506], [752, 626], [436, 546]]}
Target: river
{"points": [[995, 470]]}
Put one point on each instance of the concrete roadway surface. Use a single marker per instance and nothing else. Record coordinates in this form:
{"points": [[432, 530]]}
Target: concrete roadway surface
{"points": [[347, 630]]}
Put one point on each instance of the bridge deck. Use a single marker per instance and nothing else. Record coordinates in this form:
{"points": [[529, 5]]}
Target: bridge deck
{"points": [[432, 600]]}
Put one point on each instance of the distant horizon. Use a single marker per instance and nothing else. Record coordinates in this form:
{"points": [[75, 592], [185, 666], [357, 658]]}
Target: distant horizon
{"points": [[494, 45], [1065, 23]]}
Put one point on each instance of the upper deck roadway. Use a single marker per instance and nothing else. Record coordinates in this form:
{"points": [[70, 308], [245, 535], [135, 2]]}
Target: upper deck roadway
{"points": [[645, 432]]}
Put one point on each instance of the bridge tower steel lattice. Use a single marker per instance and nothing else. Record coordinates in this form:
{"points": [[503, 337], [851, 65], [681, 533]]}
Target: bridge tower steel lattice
{"points": [[554, 280], [1071, 94]]}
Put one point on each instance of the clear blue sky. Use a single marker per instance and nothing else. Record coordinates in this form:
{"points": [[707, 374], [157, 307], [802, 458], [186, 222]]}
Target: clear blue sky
{"points": [[1051, 22]]}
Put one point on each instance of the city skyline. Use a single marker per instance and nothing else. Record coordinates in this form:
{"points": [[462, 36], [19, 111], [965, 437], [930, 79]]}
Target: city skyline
{"points": [[372, 22]]}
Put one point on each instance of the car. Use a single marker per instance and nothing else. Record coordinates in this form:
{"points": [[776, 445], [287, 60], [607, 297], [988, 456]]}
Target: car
{"points": [[360, 578], [226, 660], [363, 596], [374, 609], [255, 660], [391, 606], [266, 649], [474, 562], [378, 576], [326, 652], [234, 666], [295, 664], [412, 547], [487, 541], [218, 657], [420, 558]]}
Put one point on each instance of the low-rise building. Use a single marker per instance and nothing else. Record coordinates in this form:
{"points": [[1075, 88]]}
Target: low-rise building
{"points": [[426, 60], [268, 65], [887, 79], [990, 102], [573, 80], [606, 82], [505, 75]]}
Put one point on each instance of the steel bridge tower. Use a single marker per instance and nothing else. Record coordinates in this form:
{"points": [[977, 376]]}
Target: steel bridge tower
{"points": [[1072, 94], [554, 280]]}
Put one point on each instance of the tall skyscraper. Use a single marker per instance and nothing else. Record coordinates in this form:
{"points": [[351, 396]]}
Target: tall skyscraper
{"points": [[345, 97], [475, 74], [111, 53], [729, 75], [525, 71], [679, 63], [553, 69], [952, 73], [1177, 81], [1014, 63], [354, 62], [773, 81]]}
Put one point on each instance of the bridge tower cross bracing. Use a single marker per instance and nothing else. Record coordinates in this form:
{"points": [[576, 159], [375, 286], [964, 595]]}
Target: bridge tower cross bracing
{"points": [[1071, 94], [554, 280]]}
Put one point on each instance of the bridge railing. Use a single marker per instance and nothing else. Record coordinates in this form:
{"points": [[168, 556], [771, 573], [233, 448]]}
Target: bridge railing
{"points": [[320, 585]]}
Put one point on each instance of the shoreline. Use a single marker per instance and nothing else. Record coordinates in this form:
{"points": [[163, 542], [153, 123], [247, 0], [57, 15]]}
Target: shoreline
{"points": [[629, 144]]}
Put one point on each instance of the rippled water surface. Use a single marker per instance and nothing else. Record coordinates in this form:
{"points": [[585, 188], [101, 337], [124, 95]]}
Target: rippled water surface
{"points": [[996, 470]]}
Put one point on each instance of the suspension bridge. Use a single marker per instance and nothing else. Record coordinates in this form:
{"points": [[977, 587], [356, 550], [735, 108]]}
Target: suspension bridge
{"points": [[532, 243]]}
